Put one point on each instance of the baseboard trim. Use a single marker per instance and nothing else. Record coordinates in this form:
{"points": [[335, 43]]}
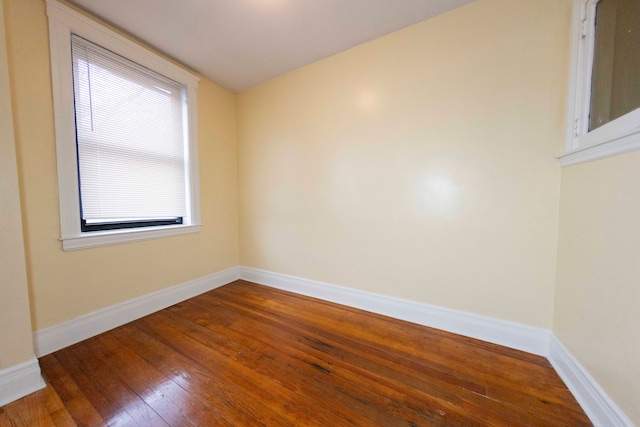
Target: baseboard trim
{"points": [[20, 380], [509, 334], [598, 406], [51, 339]]}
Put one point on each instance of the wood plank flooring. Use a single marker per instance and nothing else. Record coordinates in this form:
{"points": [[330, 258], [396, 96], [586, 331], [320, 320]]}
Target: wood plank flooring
{"points": [[248, 355]]}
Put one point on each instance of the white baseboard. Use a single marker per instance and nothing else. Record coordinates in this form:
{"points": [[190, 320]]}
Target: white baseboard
{"points": [[598, 406], [19, 380], [600, 409], [508, 334], [51, 339], [23, 379]]}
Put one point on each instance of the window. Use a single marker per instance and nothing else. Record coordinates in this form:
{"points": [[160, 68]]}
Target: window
{"points": [[604, 100], [126, 136]]}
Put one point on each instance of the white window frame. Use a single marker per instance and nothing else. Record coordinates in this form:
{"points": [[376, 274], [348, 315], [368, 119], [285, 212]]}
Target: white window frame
{"points": [[63, 21], [619, 136]]}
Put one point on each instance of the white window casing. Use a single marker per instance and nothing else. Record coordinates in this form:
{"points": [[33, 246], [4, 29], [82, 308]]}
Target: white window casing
{"points": [[619, 136], [64, 21]]}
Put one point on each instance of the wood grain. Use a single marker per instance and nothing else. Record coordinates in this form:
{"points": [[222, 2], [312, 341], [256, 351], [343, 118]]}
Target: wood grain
{"points": [[249, 355]]}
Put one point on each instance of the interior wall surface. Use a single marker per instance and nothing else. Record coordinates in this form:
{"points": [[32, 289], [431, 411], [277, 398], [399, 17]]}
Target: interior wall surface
{"points": [[597, 292], [64, 285], [421, 165], [15, 321]]}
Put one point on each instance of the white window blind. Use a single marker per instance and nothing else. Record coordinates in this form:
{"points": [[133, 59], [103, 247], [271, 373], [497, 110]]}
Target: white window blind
{"points": [[131, 138]]}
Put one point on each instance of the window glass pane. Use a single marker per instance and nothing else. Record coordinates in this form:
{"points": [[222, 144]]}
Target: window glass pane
{"points": [[615, 87], [130, 138]]}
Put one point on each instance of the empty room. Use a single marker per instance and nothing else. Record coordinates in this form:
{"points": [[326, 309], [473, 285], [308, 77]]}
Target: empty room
{"points": [[320, 212]]}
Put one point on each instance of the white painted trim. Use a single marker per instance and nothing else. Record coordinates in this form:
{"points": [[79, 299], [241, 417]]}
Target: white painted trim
{"points": [[51, 339], [602, 411], [509, 334], [580, 66], [117, 237], [19, 380], [598, 406], [596, 403], [602, 150]]}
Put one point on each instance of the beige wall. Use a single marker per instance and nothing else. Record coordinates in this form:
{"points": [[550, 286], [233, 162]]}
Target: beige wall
{"points": [[420, 165], [16, 344], [598, 286], [65, 285]]}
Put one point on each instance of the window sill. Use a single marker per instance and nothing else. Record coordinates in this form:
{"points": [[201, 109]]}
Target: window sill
{"points": [[114, 237], [602, 150]]}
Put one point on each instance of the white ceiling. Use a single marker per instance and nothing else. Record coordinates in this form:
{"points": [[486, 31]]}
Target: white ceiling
{"points": [[239, 43]]}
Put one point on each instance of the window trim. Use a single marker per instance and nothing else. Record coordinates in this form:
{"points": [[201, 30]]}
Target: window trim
{"points": [[619, 136], [63, 21]]}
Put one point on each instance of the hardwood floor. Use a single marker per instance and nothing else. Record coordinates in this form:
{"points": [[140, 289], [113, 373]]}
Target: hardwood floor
{"points": [[245, 355]]}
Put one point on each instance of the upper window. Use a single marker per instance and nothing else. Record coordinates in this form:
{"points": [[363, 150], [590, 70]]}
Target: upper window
{"points": [[604, 105], [126, 126]]}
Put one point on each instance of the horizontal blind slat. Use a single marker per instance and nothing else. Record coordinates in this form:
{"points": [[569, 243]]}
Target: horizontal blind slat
{"points": [[130, 137]]}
